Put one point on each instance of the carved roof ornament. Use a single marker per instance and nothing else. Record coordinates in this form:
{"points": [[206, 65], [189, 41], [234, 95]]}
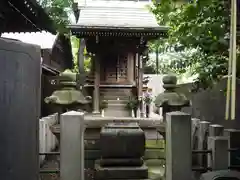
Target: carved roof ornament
{"points": [[67, 93], [170, 99]]}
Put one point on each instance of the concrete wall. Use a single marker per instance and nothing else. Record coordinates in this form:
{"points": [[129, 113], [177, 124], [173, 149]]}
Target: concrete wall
{"points": [[155, 82], [210, 104]]}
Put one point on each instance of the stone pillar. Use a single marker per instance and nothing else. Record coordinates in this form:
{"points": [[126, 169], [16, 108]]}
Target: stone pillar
{"points": [[72, 146], [218, 160], [96, 92], [195, 128], [178, 146]]}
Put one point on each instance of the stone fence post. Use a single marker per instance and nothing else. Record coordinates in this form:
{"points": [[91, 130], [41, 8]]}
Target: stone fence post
{"points": [[178, 146], [216, 130], [72, 146], [218, 160], [218, 144], [233, 144], [203, 132]]}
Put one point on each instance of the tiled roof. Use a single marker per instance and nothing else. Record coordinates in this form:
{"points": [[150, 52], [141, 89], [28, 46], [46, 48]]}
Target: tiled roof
{"points": [[117, 16]]}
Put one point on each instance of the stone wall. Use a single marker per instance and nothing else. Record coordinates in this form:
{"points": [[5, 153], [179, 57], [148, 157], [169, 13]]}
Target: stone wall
{"points": [[20, 89]]}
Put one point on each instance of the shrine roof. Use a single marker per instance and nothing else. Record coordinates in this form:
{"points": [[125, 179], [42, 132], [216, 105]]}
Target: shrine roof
{"points": [[117, 16], [24, 16]]}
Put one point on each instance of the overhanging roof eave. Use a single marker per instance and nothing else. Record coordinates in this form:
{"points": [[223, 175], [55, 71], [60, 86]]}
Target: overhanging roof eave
{"points": [[77, 27]]}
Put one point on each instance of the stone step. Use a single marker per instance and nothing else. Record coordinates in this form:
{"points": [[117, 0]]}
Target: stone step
{"points": [[115, 97], [120, 102], [121, 172], [127, 90], [128, 179], [120, 162], [114, 112], [116, 106], [117, 114], [117, 93]]}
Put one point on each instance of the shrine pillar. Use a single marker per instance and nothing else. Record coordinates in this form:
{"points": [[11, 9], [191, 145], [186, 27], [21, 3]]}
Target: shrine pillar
{"points": [[96, 91], [81, 61], [140, 84], [130, 68], [137, 78]]}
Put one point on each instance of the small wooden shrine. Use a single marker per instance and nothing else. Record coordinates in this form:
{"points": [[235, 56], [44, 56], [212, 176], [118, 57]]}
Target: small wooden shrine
{"points": [[116, 35]]}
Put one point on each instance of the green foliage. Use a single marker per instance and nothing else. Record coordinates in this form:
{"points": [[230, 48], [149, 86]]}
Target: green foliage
{"points": [[132, 103], [58, 10], [75, 46], [87, 59], [103, 104], [200, 25], [147, 100]]}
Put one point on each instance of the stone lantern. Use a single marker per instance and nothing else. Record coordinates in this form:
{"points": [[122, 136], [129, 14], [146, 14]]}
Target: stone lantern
{"points": [[170, 100], [67, 97]]}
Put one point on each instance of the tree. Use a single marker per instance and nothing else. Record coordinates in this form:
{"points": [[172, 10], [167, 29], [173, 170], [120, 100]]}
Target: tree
{"points": [[87, 59], [202, 25], [59, 11]]}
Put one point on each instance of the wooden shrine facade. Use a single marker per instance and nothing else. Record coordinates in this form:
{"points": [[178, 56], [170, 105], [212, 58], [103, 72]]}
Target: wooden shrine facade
{"points": [[117, 58]]}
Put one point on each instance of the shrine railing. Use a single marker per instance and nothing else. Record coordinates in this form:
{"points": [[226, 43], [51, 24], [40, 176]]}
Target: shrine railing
{"points": [[154, 142], [47, 140]]}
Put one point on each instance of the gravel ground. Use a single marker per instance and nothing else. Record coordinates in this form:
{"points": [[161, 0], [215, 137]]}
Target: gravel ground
{"points": [[50, 164], [155, 172]]}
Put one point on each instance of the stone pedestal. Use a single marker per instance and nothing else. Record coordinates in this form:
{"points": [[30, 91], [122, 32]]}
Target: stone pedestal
{"points": [[122, 146], [121, 137]]}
